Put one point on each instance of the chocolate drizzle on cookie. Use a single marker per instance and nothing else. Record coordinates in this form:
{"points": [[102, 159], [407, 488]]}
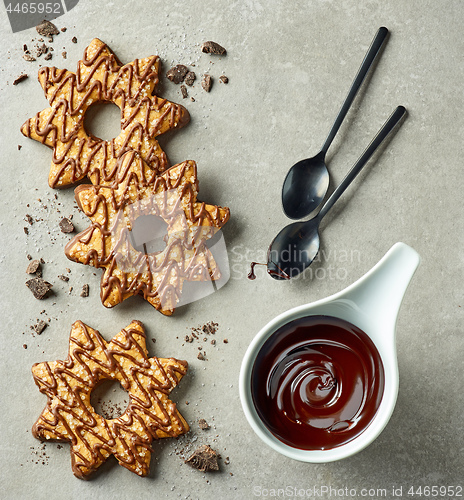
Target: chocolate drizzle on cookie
{"points": [[101, 78], [159, 276], [69, 416]]}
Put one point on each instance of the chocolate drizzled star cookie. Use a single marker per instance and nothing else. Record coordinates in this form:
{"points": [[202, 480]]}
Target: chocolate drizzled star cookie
{"points": [[69, 415], [108, 243], [100, 77]]}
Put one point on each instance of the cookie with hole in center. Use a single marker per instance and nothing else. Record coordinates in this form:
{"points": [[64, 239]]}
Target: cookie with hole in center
{"points": [[130, 269], [100, 77], [69, 415]]}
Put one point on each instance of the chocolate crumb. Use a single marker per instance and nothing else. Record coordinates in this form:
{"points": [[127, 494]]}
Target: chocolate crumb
{"points": [[20, 79], [177, 73], [189, 78], [227, 461], [204, 458], [201, 357], [19, 147], [26, 230], [39, 287], [224, 79], [85, 290], [48, 56], [213, 48], [184, 92], [213, 342], [25, 48], [64, 54], [39, 327], [63, 30], [25, 346], [29, 219], [74, 39], [192, 99], [42, 49], [66, 225], [27, 57], [203, 424], [207, 82], [29, 257], [225, 341], [46, 28], [33, 267], [63, 277]]}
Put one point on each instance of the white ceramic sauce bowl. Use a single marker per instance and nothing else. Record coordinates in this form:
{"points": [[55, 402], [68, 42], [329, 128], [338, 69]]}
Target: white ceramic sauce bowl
{"points": [[372, 304]]}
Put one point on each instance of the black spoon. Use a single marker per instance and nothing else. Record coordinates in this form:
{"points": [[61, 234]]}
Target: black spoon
{"points": [[308, 180], [296, 246]]}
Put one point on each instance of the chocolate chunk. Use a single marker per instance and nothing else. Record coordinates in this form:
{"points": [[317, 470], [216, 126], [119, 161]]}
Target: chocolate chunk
{"points": [[63, 30], [204, 458], [190, 78], [20, 79], [213, 48], [201, 357], [224, 79], [66, 225], [33, 267], [74, 39], [207, 82], [63, 277], [48, 56], [26, 230], [39, 287], [203, 424], [177, 73], [19, 147], [85, 290], [39, 327], [27, 57], [42, 49], [46, 28], [29, 219], [184, 92]]}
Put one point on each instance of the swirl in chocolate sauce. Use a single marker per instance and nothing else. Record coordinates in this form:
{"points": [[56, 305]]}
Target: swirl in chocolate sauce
{"points": [[317, 383]]}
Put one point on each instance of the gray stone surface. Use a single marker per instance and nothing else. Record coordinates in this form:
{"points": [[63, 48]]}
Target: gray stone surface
{"points": [[289, 66]]}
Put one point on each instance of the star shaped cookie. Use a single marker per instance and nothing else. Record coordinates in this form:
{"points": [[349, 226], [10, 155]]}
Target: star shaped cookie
{"points": [[100, 77], [130, 270], [69, 415]]}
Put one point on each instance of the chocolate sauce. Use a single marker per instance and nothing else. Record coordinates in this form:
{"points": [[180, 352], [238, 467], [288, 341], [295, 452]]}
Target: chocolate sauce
{"points": [[251, 275], [317, 382], [272, 271]]}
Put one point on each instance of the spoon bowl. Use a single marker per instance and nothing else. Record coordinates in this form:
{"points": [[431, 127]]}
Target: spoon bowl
{"points": [[293, 249], [306, 183], [312, 179]]}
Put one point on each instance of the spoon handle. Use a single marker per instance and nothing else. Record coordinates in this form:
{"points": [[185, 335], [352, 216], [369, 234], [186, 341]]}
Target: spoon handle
{"points": [[357, 82], [388, 126]]}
